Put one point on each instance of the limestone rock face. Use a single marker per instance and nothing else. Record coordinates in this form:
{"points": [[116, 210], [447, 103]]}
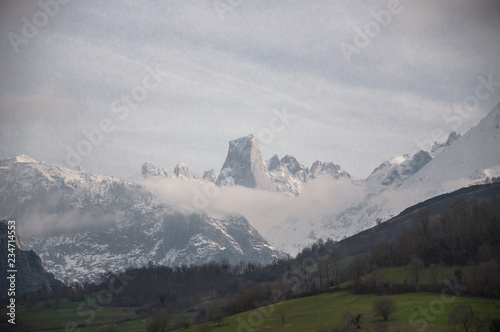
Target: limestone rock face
{"points": [[31, 275], [244, 165]]}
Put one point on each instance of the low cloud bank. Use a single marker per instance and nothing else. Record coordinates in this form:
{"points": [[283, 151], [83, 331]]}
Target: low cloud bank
{"points": [[262, 208]]}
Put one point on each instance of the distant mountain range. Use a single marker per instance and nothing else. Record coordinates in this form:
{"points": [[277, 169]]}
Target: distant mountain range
{"points": [[245, 167], [84, 224], [397, 184]]}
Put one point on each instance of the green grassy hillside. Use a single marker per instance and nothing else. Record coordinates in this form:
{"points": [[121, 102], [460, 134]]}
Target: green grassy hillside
{"points": [[327, 310], [303, 314]]}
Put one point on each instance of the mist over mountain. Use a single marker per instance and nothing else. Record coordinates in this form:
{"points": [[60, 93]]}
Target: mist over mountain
{"points": [[397, 184], [83, 224], [325, 201]]}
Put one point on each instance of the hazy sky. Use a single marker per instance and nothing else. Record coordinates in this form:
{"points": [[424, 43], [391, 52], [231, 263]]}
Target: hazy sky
{"points": [[175, 81]]}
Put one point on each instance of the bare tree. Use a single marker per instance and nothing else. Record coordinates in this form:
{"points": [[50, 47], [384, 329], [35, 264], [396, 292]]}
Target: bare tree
{"points": [[160, 322], [323, 274], [358, 267], [281, 314], [414, 268], [205, 327], [461, 316], [216, 314], [384, 306], [347, 318], [422, 221], [350, 319], [495, 325]]}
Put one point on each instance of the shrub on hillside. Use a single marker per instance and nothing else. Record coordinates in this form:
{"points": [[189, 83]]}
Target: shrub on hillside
{"points": [[384, 306]]}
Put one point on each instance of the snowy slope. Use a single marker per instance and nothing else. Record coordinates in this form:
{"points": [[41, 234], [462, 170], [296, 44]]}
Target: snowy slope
{"points": [[470, 159], [397, 184], [291, 205], [392, 173], [438, 147], [83, 224]]}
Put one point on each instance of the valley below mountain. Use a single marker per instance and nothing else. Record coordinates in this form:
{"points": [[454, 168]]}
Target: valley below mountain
{"points": [[83, 225]]}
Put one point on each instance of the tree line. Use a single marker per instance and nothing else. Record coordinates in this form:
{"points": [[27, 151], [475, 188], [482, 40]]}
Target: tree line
{"points": [[468, 233]]}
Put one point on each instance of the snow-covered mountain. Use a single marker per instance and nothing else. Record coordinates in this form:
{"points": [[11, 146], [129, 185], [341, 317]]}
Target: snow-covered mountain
{"points": [[320, 168], [182, 171], [244, 165], [396, 184], [470, 159], [210, 176], [284, 180], [149, 169], [392, 173], [439, 147], [83, 224]]}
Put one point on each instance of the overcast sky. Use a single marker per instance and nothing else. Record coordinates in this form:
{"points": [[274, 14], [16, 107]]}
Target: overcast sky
{"points": [[175, 81]]}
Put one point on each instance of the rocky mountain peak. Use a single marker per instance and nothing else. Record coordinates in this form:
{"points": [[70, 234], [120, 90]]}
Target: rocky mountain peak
{"points": [[274, 164], [22, 158], [319, 168], [210, 176], [182, 171], [452, 137], [149, 169], [244, 165], [292, 164], [419, 160], [395, 171]]}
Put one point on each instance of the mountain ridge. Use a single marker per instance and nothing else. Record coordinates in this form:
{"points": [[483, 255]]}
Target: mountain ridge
{"points": [[83, 225], [364, 241], [338, 205], [469, 159]]}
